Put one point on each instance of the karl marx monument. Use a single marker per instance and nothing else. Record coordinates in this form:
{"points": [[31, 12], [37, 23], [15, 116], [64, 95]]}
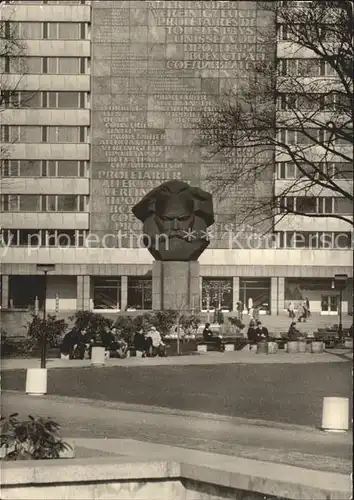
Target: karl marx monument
{"points": [[175, 217]]}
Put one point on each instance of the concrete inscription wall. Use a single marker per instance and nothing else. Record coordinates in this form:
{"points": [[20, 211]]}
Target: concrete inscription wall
{"points": [[155, 66]]}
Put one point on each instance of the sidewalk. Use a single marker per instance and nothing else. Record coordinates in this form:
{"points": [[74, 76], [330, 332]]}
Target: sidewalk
{"points": [[96, 429], [210, 358]]}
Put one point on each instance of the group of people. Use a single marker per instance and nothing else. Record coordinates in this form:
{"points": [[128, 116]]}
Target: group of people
{"points": [[303, 310], [149, 343], [77, 344], [256, 332]]}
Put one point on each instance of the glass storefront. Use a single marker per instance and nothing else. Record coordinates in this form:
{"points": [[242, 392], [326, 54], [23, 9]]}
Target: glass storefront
{"points": [[139, 292], [217, 294], [255, 292], [107, 293]]}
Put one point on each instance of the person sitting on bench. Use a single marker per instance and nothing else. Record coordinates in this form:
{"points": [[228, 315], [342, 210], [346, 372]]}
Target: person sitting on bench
{"points": [[208, 336]]}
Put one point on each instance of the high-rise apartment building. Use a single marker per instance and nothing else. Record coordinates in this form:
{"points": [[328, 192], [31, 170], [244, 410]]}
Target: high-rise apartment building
{"points": [[108, 94]]}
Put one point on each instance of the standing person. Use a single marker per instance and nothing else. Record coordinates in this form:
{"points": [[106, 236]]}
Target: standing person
{"points": [[301, 313], [252, 333], [291, 310], [239, 308], [256, 314], [307, 305], [140, 343]]}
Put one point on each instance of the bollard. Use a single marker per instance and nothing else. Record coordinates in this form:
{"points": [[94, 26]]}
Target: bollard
{"points": [[335, 414], [36, 381], [98, 356]]}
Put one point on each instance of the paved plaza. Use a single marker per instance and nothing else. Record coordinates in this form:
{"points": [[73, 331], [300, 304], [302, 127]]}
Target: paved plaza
{"points": [[277, 388]]}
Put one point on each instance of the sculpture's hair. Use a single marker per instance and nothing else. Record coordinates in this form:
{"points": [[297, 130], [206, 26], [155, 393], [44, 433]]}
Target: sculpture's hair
{"points": [[202, 202]]}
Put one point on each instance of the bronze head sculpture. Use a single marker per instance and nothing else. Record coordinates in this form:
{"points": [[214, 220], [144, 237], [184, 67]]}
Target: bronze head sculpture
{"points": [[175, 217]]}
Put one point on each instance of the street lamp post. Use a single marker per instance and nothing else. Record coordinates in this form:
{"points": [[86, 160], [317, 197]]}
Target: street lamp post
{"points": [[45, 268], [340, 281]]}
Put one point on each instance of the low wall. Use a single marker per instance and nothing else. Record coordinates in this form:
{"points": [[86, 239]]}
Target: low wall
{"points": [[120, 478]]}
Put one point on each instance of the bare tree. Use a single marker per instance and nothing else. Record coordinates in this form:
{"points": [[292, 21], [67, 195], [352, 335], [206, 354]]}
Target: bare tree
{"points": [[12, 55], [296, 113]]}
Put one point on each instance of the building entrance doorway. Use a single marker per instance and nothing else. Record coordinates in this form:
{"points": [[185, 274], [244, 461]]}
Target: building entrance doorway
{"points": [[329, 304]]}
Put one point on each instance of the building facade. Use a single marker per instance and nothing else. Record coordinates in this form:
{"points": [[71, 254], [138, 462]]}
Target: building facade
{"points": [[109, 94]]}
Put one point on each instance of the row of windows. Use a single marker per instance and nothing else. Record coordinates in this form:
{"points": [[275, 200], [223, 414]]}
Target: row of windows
{"points": [[47, 2], [312, 136], [314, 205], [339, 170], [44, 168], [317, 102], [43, 203], [37, 134], [305, 67], [45, 65], [326, 35], [28, 99], [47, 30], [319, 240], [44, 237]]}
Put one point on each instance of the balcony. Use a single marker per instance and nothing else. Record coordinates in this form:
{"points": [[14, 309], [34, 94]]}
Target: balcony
{"points": [[58, 48], [285, 185], [303, 223], [45, 151], [45, 220], [50, 117], [44, 185], [41, 13], [79, 83], [230, 260]]}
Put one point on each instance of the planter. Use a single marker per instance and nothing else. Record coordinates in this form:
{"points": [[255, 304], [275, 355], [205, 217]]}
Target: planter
{"points": [[348, 343], [286, 347], [272, 347], [262, 348], [64, 356], [335, 414], [202, 348], [316, 347], [98, 356], [292, 346], [229, 347], [301, 346], [36, 381]]}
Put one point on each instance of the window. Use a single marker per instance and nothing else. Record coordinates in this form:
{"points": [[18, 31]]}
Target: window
{"points": [[139, 293], [26, 291], [63, 31], [10, 202], [107, 293], [327, 69], [63, 134], [325, 205], [287, 170], [287, 204], [23, 133], [61, 65], [257, 290], [343, 240], [29, 31], [29, 237], [63, 168], [23, 99], [23, 65], [344, 137], [29, 203], [343, 206], [217, 293], [306, 204], [343, 170], [67, 203]]}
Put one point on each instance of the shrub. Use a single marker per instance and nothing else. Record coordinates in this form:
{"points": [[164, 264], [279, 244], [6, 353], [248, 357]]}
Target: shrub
{"points": [[236, 322], [54, 328], [94, 323], [33, 439]]}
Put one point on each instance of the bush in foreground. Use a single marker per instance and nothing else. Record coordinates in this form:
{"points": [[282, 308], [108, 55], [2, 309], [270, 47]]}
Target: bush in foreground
{"points": [[32, 439]]}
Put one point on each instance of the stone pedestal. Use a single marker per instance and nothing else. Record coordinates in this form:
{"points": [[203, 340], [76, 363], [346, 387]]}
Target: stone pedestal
{"points": [[175, 285]]}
